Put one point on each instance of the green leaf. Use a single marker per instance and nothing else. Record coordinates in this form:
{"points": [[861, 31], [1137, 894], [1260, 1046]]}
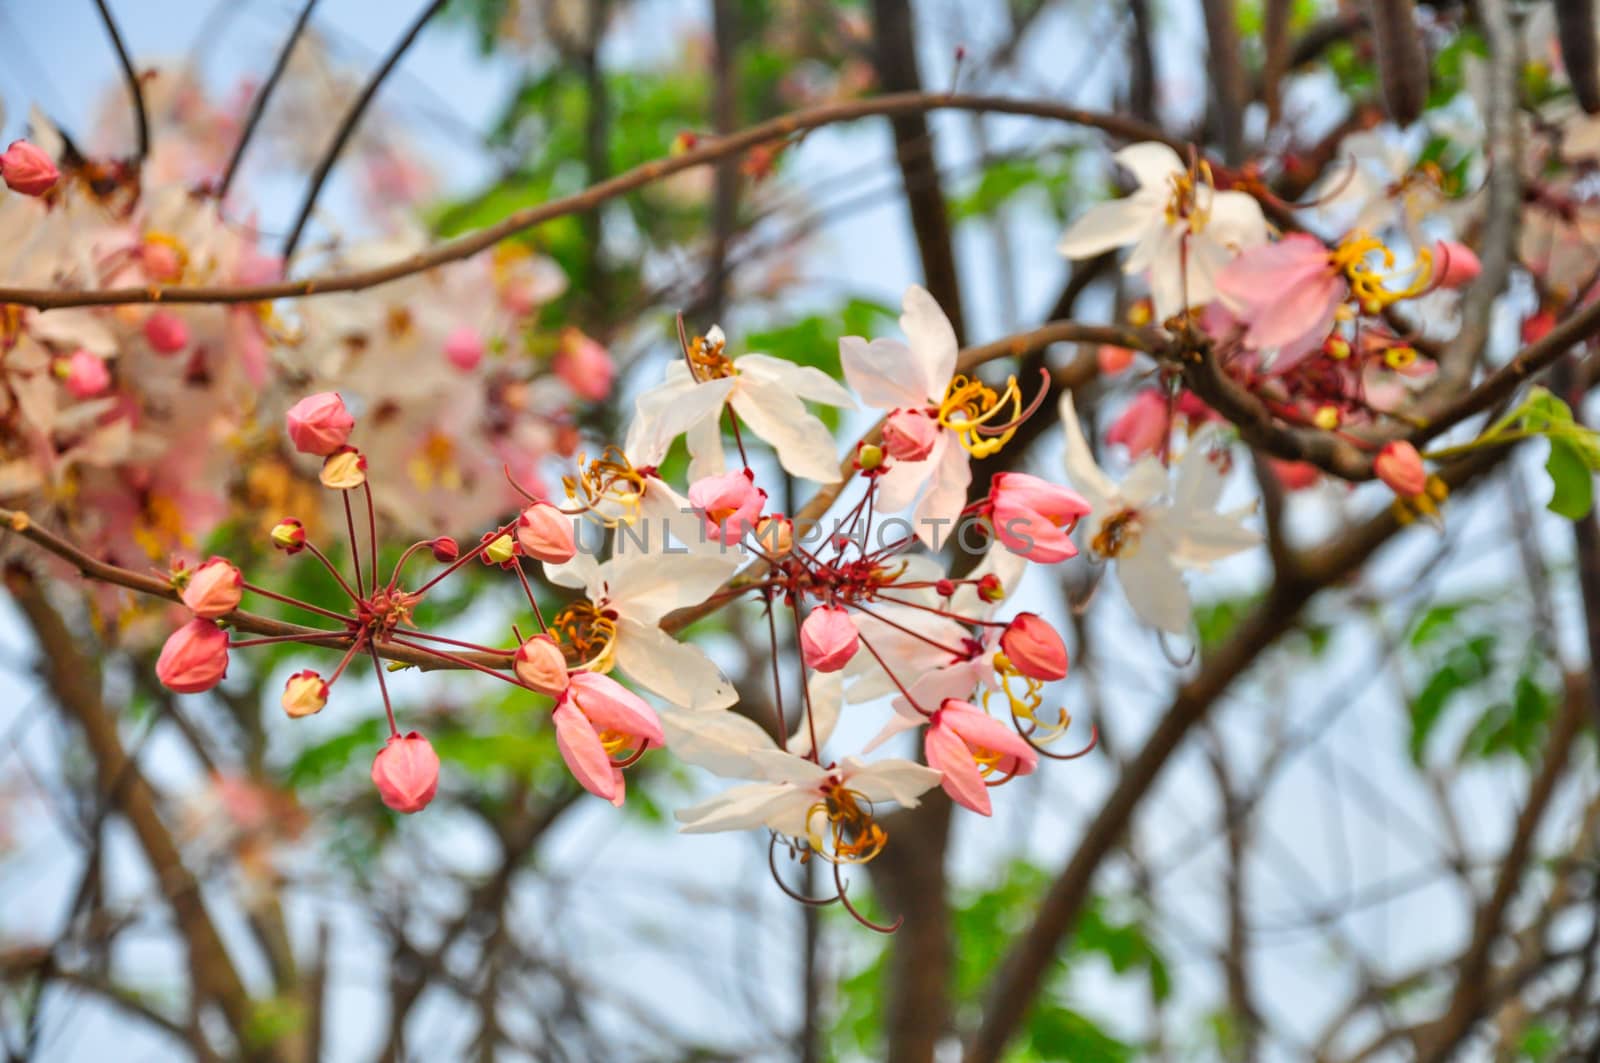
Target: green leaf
{"points": [[1572, 482], [1465, 664]]}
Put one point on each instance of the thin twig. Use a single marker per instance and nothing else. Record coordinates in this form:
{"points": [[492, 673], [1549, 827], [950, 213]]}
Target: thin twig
{"points": [[141, 118], [258, 106]]}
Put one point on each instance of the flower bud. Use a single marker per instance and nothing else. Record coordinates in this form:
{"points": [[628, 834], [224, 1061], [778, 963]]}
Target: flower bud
{"points": [[161, 260], [584, 366], [463, 348], [945, 587], [445, 549], [319, 424], [540, 664], [304, 694], [869, 457], [1454, 264], [500, 551], [545, 534], [1294, 475], [1400, 466], [990, 588], [406, 773], [84, 374], [828, 639], [166, 332], [1144, 425], [344, 469], [1113, 360], [289, 535], [775, 535], [195, 657], [729, 503], [1034, 648], [28, 170], [909, 435], [214, 589]]}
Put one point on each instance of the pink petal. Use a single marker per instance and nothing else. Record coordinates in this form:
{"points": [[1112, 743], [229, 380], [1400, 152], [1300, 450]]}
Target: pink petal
{"points": [[949, 755], [581, 749]]}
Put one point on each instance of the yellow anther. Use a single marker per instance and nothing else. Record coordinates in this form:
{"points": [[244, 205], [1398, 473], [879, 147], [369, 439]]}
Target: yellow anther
{"points": [[1367, 284], [969, 403], [1327, 418], [588, 633], [1399, 357]]}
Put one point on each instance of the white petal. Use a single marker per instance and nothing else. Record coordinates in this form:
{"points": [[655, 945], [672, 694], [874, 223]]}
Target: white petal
{"points": [[706, 454], [720, 742], [806, 381], [826, 693], [1103, 227], [1154, 587], [777, 766], [1144, 482], [1151, 163], [899, 487], [741, 808], [1236, 221], [1082, 469], [670, 409], [660, 507], [877, 372], [891, 779], [582, 572], [803, 444], [932, 340], [646, 587], [677, 671], [1201, 538], [941, 505]]}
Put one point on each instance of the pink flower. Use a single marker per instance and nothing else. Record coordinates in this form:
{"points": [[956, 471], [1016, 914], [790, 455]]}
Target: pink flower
{"points": [[1144, 425], [304, 694], [545, 534], [1286, 294], [1034, 648], [28, 170], [731, 504], [1294, 475], [195, 657], [828, 638], [909, 435], [1400, 466], [85, 375], [214, 589], [463, 348], [166, 332], [406, 773], [319, 424], [584, 366], [958, 735], [1034, 518], [541, 665], [1113, 360], [595, 718], [1454, 264]]}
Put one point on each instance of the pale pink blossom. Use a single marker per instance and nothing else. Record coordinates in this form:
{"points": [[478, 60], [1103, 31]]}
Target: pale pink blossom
{"points": [[319, 424], [960, 733], [584, 365], [731, 504], [463, 348], [1287, 295], [85, 375], [166, 332], [1144, 425], [594, 717], [1454, 264], [1034, 518], [909, 435]]}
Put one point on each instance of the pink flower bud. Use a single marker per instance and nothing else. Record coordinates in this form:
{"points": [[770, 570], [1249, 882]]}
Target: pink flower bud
{"points": [[828, 638], [730, 503], [214, 589], [540, 664], [1454, 264], [344, 470], [909, 435], [1294, 475], [545, 534], [463, 348], [1144, 425], [1400, 466], [319, 424], [161, 260], [584, 366], [1114, 360], [1034, 648], [289, 535], [166, 332], [445, 549], [990, 589], [775, 535], [304, 694], [28, 170], [85, 375], [406, 773], [1034, 518], [195, 657]]}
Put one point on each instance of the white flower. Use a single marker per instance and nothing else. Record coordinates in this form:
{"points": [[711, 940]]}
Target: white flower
{"points": [[1182, 230], [1151, 539], [890, 375], [723, 743], [635, 591], [765, 392]]}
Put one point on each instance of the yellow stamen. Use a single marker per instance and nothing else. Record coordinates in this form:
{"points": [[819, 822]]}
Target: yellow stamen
{"points": [[969, 403], [1367, 284], [589, 633]]}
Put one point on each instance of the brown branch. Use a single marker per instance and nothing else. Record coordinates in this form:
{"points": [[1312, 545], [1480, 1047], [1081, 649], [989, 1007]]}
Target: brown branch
{"points": [[895, 38], [1021, 974], [712, 151], [347, 126], [71, 677]]}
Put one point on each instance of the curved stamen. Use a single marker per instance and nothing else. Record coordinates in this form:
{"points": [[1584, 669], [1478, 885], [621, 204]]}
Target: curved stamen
{"points": [[838, 882], [792, 894], [1032, 408]]}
